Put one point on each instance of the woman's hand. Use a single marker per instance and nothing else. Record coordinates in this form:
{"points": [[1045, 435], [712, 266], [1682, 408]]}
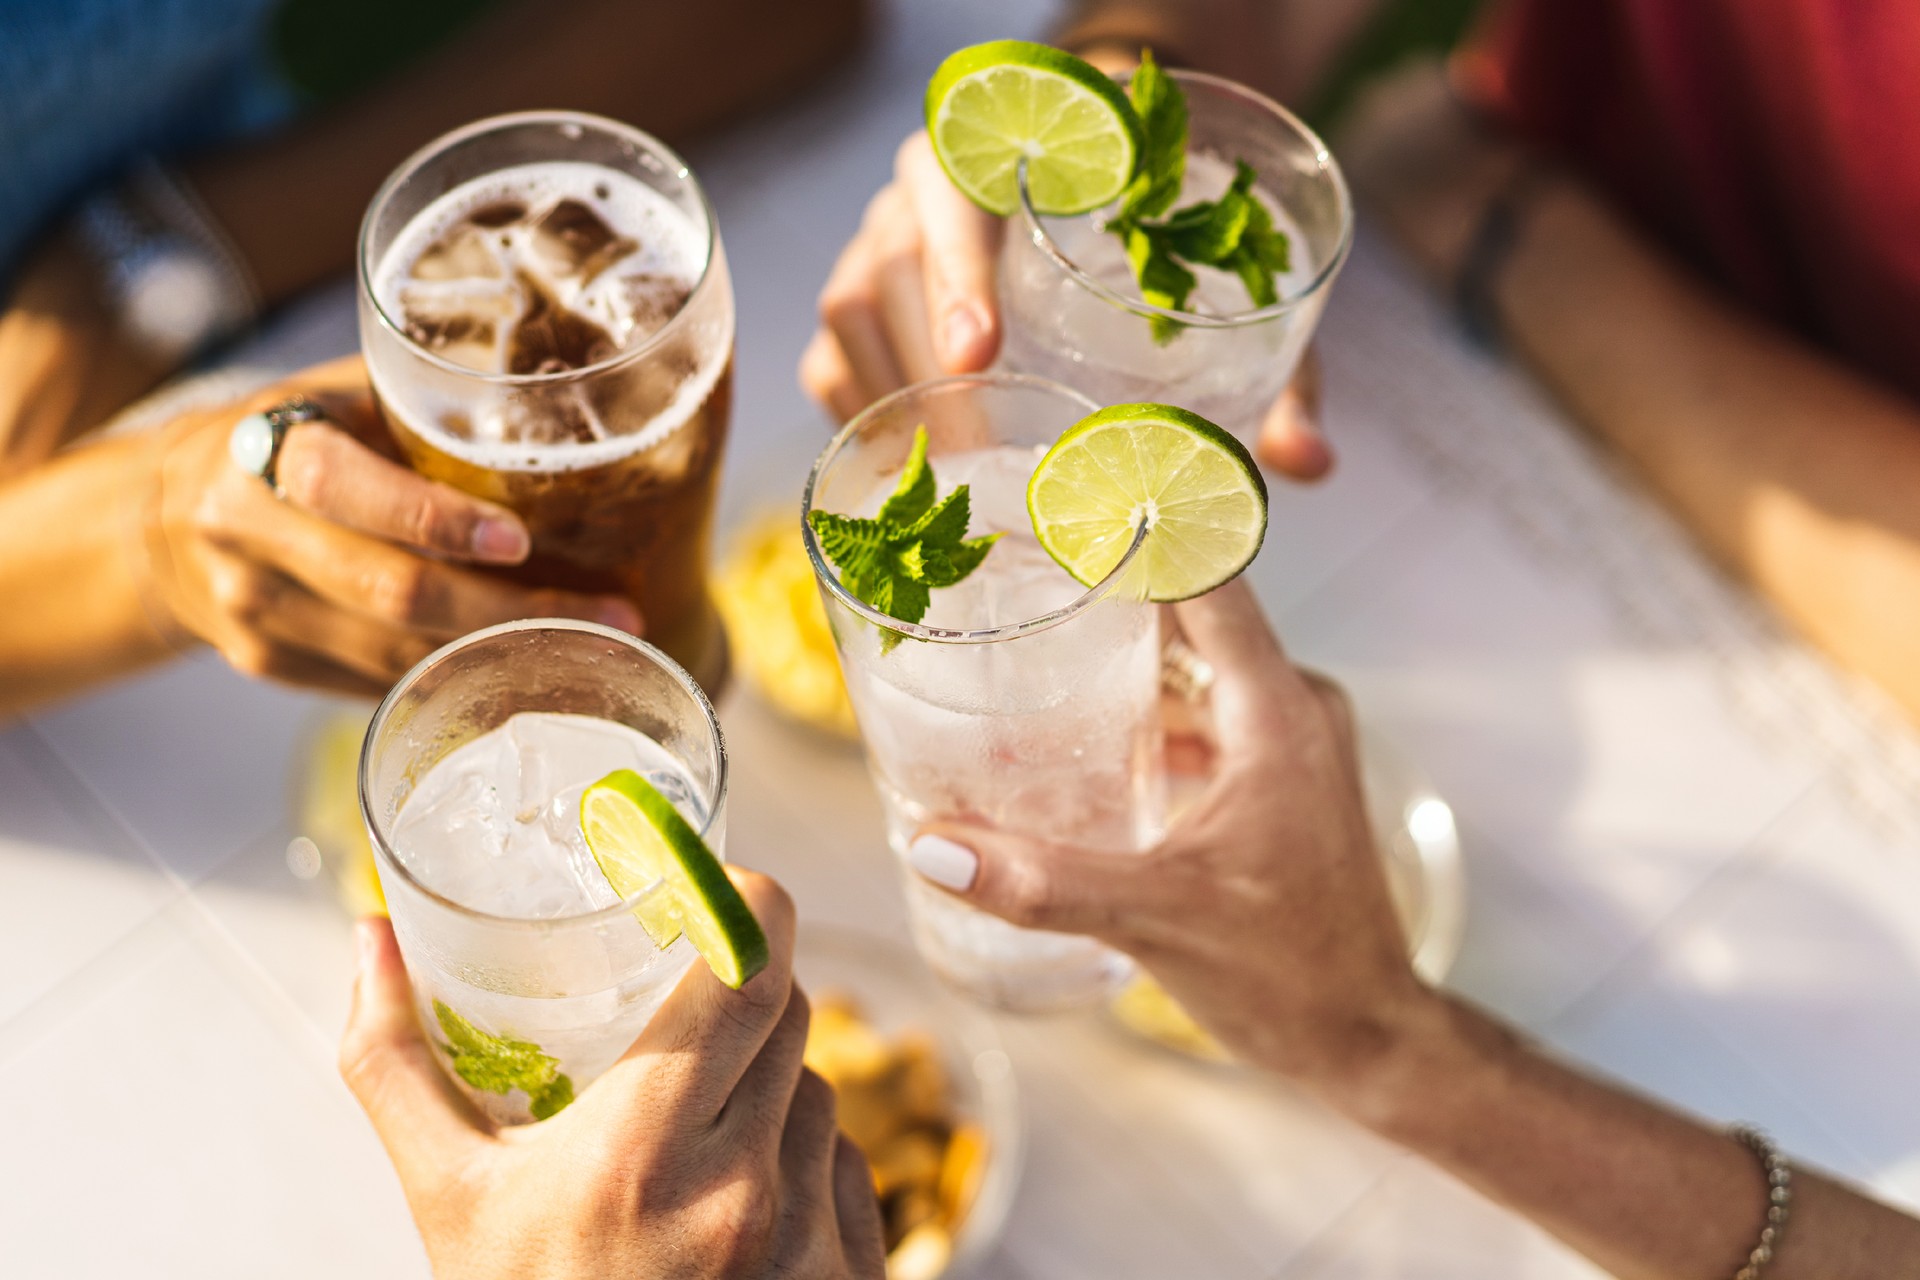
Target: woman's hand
{"points": [[708, 1151], [912, 297], [353, 572], [1265, 911]]}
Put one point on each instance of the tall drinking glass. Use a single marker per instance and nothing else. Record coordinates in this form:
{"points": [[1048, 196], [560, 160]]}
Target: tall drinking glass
{"points": [[1023, 700], [547, 318], [530, 973], [1074, 313]]}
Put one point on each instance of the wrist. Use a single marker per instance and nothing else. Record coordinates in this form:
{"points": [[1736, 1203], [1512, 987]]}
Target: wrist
{"points": [[1434, 1051]]}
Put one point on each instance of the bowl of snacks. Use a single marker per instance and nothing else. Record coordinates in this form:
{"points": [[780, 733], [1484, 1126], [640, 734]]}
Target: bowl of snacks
{"points": [[924, 1089]]}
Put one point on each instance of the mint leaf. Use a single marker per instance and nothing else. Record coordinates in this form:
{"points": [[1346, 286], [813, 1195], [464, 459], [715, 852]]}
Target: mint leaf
{"points": [[552, 1100], [1213, 234], [500, 1064], [899, 596], [1268, 246], [1255, 275], [966, 557], [1210, 232], [1163, 281], [894, 561], [1234, 233], [915, 559], [1162, 109], [946, 523], [848, 540], [914, 494]]}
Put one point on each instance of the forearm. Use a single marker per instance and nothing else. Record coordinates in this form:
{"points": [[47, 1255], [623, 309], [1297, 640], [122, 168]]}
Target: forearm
{"points": [[1797, 474], [1642, 1191], [68, 567], [293, 202]]}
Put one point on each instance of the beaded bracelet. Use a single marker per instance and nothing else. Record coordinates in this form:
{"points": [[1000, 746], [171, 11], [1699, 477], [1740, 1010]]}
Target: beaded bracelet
{"points": [[1779, 1198]]}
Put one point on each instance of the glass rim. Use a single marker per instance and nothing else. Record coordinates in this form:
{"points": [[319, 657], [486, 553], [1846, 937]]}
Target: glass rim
{"points": [[1045, 242], [377, 836], [824, 572], [363, 270]]}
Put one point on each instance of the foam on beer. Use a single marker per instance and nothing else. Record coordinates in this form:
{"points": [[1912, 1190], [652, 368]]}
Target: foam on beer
{"points": [[533, 271]]}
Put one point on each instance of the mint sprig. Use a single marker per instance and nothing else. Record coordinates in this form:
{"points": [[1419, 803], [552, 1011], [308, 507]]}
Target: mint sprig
{"points": [[911, 547], [499, 1064], [1234, 233]]}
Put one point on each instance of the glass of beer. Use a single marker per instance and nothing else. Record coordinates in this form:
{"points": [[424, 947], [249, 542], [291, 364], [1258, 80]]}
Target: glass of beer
{"points": [[548, 323]]}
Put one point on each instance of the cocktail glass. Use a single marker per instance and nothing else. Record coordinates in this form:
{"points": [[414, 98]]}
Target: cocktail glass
{"points": [[1074, 313], [1023, 700], [527, 968]]}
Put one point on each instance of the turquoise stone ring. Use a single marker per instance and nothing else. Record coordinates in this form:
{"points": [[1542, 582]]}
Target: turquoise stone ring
{"points": [[254, 443]]}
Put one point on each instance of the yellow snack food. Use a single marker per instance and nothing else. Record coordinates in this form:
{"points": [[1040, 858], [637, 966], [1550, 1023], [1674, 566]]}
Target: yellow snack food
{"points": [[328, 811], [896, 1104], [1144, 1007], [777, 626]]}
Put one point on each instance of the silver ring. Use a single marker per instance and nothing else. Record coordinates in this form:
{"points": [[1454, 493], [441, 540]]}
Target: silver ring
{"points": [[254, 443]]}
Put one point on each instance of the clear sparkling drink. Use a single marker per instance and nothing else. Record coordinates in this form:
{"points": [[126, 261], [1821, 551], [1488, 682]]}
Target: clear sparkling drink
{"points": [[548, 324], [1023, 699], [1074, 311], [531, 975]]}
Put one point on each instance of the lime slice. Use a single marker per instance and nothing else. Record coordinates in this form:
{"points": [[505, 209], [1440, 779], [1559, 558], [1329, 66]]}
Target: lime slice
{"points": [[992, 105], [1197, 488], [638, 837]]}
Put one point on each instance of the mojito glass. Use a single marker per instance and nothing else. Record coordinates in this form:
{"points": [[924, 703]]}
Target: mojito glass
{"points": [[1023, 700], [1074, 313], [530, 974], [548, 323]]}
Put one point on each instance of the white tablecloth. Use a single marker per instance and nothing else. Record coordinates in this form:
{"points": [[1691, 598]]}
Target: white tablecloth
{"points": [[1691, 856]]}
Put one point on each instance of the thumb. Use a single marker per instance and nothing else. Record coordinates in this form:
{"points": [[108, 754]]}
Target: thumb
{"points": [[1036, 884], [426, 1125]]}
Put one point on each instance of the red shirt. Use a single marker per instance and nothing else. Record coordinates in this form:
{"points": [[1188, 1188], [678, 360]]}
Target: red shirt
{"points": [[1774, 144]]}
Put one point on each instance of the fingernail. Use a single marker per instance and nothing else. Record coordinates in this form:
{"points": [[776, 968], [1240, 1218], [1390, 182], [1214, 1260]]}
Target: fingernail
{"points": [[949, 865], [620, 615], [495, 538], [960, 333]]}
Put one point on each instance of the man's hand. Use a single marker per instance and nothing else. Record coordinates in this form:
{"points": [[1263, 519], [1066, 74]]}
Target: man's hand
{"points": [[708, 1152], [912, 297]]}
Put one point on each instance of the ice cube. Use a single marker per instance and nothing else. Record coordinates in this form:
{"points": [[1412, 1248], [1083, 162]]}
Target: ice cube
{"points": [[573, 242], [549, 338], [542, 415], [648, 301], [499, 213], [463, 325], [464, 253], [453, 833]]}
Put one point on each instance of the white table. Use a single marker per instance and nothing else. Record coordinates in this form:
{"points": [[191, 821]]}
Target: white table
{"points": [[1689, 862]]}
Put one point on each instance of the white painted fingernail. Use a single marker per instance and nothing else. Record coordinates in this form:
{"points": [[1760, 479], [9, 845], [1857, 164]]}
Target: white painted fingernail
{"points": [[949, 865]]}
